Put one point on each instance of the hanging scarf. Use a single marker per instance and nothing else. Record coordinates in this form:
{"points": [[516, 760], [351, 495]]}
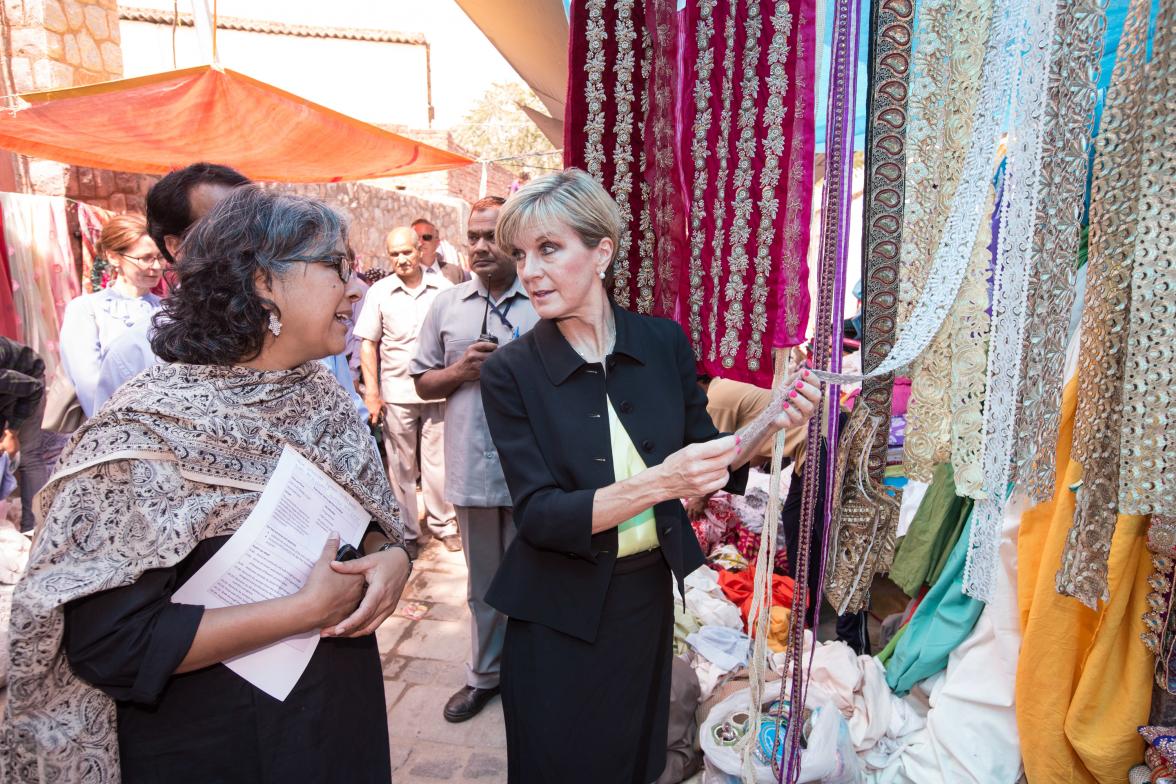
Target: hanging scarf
{"points": [[1114, 230], [946, 388], [1069, 121], [622, 61], [181, 453], [1148, 444], [41, 261], [1018, 211], [708, 154]]}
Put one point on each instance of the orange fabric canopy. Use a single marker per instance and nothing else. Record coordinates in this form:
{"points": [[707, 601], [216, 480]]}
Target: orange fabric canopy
{"points": [[154, 124]]}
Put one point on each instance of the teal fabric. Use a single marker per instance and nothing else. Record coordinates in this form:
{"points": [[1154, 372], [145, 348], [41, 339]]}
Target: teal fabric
{"points": [[944, 620]]}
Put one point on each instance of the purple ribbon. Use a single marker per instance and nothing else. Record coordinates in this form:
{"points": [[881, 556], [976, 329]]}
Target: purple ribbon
{"points": [[834, 252]]}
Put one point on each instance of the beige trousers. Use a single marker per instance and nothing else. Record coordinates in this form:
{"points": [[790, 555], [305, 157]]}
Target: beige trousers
{"points": [[406, 426]]}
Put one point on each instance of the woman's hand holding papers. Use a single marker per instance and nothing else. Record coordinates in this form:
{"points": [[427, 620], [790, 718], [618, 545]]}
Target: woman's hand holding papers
{"points": [[331, 595], [385, 573]]}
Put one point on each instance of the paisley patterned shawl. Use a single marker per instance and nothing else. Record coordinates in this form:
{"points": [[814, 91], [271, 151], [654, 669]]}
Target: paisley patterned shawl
{"points": [[180, 454]]}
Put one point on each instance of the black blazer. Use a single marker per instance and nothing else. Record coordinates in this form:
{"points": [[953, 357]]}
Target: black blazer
{"points": [[545, 407]]}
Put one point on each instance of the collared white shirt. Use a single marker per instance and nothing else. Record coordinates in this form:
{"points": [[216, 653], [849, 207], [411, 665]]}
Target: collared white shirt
{"points": [[392, 316]]}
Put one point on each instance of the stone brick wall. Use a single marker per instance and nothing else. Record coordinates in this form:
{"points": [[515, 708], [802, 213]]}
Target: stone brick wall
{"points": [[52, 44], [111, 190], [372, 211]]}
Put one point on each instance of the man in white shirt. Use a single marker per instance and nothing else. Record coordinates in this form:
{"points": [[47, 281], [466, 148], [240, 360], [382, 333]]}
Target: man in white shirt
{"points": [[389, 325], [431, 261]]}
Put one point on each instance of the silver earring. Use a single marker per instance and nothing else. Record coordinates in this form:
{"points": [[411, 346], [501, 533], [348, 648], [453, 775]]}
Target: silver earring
{"points": [[275, 326], [602, 274]]}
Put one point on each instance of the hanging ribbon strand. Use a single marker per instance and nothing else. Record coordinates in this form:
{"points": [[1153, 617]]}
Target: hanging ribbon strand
{"points": [[865, 516], [834, 251]]}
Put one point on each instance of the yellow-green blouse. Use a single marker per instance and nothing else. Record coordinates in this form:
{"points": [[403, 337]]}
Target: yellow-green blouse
{"points": [[638, 533]]}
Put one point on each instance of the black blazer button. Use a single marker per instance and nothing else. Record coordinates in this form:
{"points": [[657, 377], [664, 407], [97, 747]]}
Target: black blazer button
{"points": [[626, 407], [647, 445]]}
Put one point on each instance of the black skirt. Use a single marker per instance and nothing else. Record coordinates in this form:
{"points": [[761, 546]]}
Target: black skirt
{"points": [[594, 712]]}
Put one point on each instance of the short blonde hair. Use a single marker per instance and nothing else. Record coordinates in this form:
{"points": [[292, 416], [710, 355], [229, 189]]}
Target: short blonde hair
{"points": [[121, 232], [571, 197]]}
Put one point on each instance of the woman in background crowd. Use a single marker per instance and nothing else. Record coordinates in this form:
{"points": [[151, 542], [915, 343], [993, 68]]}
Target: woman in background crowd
{"points": [[93, 321], [113, 680]]}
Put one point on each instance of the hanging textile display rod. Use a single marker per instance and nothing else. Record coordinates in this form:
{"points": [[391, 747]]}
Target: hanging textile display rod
{"points": [[826, 347]]}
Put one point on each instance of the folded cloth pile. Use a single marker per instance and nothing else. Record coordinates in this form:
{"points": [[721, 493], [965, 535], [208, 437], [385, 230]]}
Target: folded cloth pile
{"points": [[705, 600]]}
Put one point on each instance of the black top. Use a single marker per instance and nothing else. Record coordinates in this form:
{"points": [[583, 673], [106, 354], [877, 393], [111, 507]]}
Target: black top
{"points": [[546, 409], [211, 725], [22, 383]]}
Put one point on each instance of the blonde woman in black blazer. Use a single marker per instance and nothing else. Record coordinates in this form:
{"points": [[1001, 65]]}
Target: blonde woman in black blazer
{"points": [[601, 429]]}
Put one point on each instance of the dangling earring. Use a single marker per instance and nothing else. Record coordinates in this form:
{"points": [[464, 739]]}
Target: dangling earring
{"points": [[275, 326], [602, 274]]}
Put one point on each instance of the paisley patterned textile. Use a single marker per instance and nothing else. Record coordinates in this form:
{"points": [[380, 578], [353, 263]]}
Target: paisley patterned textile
{"points": [[710, 164], [1114, 229], [882, 222], [178, 455], [865, 517], [862, 533]]}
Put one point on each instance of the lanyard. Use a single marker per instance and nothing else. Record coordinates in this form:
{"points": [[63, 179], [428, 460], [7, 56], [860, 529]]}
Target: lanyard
{"points": [[501, 313]]}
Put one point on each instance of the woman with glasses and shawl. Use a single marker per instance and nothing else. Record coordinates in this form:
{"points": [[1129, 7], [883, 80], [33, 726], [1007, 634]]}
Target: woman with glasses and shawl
{"points": [[111, 681]]}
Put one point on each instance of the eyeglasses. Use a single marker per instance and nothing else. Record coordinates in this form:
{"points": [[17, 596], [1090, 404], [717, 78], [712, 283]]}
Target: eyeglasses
{"points": [[341, 264], [145, 261], [427, 237]]}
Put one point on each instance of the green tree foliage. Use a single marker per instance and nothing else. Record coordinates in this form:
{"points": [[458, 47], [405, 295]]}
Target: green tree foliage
{"points": [[495, 127]]}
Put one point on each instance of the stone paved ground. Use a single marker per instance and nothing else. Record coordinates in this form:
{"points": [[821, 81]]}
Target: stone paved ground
{"points": [[424, 647]]}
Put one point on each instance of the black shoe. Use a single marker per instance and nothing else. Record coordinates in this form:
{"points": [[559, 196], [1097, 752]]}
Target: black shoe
{"points": [[452, 543], [467, 703]]}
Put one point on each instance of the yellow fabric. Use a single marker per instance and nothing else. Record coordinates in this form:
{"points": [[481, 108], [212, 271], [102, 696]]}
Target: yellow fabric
{"points": [[156, 123], [1083, 678], [638, 533]]}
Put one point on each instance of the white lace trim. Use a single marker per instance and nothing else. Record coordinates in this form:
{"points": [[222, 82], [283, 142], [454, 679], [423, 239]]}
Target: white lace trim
{"points": [[1013, 267]]}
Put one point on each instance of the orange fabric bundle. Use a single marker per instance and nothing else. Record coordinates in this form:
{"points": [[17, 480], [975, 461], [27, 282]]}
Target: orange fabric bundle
{"points": [[739, 588]]}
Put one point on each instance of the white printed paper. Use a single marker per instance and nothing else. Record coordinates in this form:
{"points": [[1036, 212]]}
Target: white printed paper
{"points": [[271, 555]]}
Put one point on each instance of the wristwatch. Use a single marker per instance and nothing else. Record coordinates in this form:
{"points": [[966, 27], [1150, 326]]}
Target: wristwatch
{"points": [[398, 546]]}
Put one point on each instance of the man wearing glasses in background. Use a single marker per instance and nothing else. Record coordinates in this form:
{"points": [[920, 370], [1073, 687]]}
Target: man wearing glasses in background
{"points": [[432, 262], [389, 325]]}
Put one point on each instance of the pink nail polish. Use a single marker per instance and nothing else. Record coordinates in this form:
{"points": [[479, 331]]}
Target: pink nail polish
{"points": [[792, 393], [738, 440], [800, 385], [785, 405], [806, 374]]}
